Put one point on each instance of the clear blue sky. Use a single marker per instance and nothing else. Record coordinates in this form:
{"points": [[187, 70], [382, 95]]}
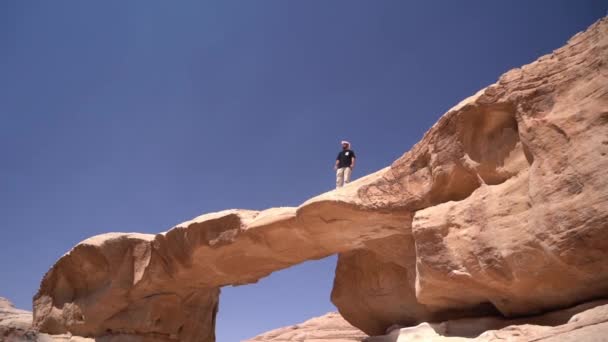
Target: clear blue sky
{"points": [[137, 115]]}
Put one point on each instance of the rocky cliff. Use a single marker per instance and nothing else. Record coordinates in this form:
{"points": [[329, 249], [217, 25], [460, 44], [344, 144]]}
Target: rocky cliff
{"points": [[508, 197], [501, 208]]}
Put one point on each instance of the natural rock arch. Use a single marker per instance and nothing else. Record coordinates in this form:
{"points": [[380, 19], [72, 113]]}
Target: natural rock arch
{"points": [[488, 211], [106, 284]]}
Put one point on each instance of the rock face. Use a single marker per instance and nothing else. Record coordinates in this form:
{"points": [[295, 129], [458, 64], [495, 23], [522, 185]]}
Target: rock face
{"points": [[587, 322], [502, 207], [509, 198], [15, 324], [327, 328], [166, 286]]}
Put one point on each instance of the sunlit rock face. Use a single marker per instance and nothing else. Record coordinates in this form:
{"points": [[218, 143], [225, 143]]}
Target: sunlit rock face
{"points": [[16, 326], [509, 198], [330, 327], [166, 286], [14, 323], [585, 322], [502, 207]]}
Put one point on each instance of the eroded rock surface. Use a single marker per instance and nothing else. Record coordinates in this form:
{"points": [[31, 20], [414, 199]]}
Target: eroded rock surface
{"points": [[15, 324], [509, 198], [502, 207], [586, 322], [166, 286]]}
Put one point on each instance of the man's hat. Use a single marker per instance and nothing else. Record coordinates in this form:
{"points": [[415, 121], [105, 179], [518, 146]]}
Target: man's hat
{"points": [[344, 142]]}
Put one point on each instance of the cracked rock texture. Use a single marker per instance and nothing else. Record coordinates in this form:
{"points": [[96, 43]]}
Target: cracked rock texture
{"points": [[501, 208]]}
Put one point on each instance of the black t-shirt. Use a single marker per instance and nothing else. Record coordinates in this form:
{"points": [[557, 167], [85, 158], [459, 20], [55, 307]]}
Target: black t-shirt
{"points": [[345, 158]]}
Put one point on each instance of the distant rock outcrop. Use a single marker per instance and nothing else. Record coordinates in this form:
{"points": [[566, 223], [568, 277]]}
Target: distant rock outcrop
{"points": [[501, 208], [15, 324], [327, 328]]}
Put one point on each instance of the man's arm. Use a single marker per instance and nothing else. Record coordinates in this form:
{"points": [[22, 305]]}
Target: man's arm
{"points": [[352, 163], [336, 165]]}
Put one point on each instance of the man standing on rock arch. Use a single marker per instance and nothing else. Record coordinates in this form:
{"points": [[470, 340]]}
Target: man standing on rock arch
{"points": [[345, 162]]}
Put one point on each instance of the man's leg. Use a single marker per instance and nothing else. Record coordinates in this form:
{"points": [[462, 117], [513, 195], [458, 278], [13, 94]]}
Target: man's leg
{"points": [[339, 177], [347, 172]]}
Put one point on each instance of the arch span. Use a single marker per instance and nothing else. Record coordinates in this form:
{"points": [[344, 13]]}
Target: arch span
{"points": [[166, 286]]}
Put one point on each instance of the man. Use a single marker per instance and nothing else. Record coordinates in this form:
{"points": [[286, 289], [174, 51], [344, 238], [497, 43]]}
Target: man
{"points": [[345, 162]]}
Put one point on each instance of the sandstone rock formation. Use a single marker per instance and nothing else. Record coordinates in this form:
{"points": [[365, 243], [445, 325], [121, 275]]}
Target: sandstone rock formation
{"points": [[14, 323], [167, 286], [509, 198], [586, 322], [501, 208], [327, 328], [16, 326]]}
